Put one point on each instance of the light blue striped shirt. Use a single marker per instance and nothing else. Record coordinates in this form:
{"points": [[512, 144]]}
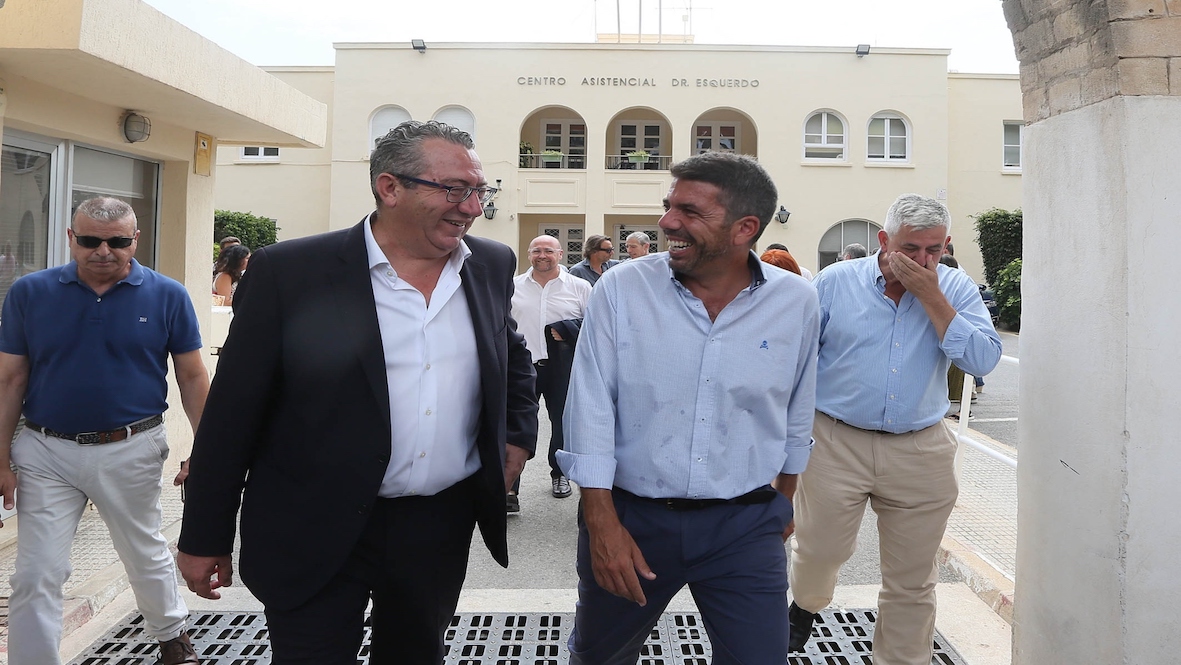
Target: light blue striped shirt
{"points": [[882, 366], [665, 403]]}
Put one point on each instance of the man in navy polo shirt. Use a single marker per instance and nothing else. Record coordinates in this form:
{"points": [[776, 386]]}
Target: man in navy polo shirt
{"points": [[84, 354]]}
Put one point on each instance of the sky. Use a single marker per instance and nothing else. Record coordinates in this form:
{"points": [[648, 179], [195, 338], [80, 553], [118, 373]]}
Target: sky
{"points": [[301, 32]]}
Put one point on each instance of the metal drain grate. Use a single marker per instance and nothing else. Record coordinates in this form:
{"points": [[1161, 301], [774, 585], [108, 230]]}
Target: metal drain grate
{"points": [[843, 637]]}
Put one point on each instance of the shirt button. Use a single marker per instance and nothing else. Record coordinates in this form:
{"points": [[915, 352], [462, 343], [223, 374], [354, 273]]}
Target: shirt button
{"points": [[897, 344], [422, 454], [99, 300], [891, 397], [428, 366], [894, 370], [890, 421], [428, 412], [389, 273]]}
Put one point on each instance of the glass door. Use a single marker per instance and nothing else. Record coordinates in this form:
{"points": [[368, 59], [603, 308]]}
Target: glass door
{"points": [[28, 182]]}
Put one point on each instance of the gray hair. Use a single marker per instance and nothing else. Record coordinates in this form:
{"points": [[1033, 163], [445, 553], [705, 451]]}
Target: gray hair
{"points": [[400, 150], [640, 237], [747, 189], [106, 209], [917, 212], [854, 250]]}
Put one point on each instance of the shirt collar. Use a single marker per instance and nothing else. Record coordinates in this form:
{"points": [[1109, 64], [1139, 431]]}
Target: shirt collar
{"points": [[757, 278], [69, 274], [378, 258], [563, 275]]}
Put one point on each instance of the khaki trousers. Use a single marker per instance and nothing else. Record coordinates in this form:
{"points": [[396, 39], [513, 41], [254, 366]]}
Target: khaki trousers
{"points": [[909, 480]]}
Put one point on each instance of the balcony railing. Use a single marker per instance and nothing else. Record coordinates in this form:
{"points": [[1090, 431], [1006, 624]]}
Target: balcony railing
{"points": [[651, 163], [543, 161], [613, 162]]}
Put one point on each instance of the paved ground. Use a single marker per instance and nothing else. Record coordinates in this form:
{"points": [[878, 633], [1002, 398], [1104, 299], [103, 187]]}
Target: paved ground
{"points": [[979, 558]]}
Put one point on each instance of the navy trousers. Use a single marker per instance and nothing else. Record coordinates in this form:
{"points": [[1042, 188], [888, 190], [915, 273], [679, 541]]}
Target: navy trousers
{"points": [[731, 556]]}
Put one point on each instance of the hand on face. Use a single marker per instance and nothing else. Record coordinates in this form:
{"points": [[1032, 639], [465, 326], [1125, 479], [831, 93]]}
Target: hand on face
{"points": [[918, 279]]}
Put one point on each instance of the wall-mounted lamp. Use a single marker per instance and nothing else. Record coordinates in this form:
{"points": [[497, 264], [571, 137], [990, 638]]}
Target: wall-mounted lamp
{"points": [[862, 50], [490, 207], [782, 215], [420, 46], [136, 127]]}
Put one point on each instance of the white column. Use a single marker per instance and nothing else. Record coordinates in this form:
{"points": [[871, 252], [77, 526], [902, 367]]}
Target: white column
{"points": [[1098, 578]]}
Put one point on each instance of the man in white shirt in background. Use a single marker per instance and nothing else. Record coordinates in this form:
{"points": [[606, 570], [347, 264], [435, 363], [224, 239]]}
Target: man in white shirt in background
{"points": [[547, 305]]}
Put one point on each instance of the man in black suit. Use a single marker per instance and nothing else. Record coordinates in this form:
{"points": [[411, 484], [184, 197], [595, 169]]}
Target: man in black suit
{"points": [[362, 405]]}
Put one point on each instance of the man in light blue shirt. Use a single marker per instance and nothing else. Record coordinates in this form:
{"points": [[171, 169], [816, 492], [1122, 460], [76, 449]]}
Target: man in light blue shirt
{"points": [[691, 403], [890, 324]]}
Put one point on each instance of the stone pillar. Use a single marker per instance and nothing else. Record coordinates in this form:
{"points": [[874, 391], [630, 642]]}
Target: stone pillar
{"points": [[1097, 573]]}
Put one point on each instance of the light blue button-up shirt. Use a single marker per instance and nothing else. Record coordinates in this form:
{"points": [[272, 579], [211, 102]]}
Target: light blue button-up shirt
{"points": [[882, 366], [665, 403]]}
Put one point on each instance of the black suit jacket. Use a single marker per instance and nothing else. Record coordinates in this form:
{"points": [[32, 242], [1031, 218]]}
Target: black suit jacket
{"points": [[297, 420]]}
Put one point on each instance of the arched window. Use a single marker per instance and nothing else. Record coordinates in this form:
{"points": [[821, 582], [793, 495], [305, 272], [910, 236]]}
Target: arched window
{"points": [[844, 233], [824, 136], [384, 119], [458, 117], [889, 138]]}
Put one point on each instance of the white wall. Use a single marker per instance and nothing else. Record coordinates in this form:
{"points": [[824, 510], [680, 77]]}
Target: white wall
{"points": [[1097, 578]]}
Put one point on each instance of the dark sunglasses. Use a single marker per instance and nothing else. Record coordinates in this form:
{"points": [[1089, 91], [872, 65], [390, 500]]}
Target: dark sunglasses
{"points": [[114, 242]]}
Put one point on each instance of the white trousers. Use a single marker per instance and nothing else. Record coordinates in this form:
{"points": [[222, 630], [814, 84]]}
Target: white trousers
{"points": [[55, 478]]}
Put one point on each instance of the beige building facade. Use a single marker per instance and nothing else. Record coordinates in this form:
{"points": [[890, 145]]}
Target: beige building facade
{"points": [[114, 98], [555, 124]]}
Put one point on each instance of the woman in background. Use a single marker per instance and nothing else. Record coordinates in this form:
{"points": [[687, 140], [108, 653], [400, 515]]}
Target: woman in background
{"points": [[232, 264], [781, 258]]}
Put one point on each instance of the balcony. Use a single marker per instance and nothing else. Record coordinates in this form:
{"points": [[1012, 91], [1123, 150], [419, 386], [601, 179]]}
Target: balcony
{"points": [[625, 162]]}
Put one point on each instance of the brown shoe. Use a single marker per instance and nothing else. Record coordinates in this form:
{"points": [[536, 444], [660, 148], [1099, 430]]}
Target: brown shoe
{"points": [[178, 651]]}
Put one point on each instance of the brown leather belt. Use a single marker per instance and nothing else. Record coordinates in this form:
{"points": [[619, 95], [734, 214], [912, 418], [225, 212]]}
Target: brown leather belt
{"points": [[99, 438], [763, 494]]}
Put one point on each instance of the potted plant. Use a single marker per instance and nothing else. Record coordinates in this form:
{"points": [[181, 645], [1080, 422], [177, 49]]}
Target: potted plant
{"points": [[526, 155], [550, 156], [638, 157]]}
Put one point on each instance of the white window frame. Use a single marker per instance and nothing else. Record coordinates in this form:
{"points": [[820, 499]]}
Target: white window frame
{"points": [[715, 135], [891, 118], [1005, 145], [375, 134], [662, 149], [450, 108], [825, 144], [262, 155], [565, 148]]}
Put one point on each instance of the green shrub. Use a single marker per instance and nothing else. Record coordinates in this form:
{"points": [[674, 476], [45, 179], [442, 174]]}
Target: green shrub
{"points": [[253, 231], [525, 160], [998, 233], [1008, 294]]}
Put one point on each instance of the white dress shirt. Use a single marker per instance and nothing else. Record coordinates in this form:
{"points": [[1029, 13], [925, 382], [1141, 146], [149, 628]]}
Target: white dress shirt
{"points": [[536, 306], [433, 376]]}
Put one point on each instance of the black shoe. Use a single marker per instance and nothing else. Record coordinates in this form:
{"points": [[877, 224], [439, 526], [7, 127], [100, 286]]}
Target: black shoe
{"points": [[562, 487], [512, 504], [801, 627]]}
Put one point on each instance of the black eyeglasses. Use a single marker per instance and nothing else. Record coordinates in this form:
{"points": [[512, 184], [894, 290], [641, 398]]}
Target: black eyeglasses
{"points": [[114, 242], [455, 193], [605, 249]]}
